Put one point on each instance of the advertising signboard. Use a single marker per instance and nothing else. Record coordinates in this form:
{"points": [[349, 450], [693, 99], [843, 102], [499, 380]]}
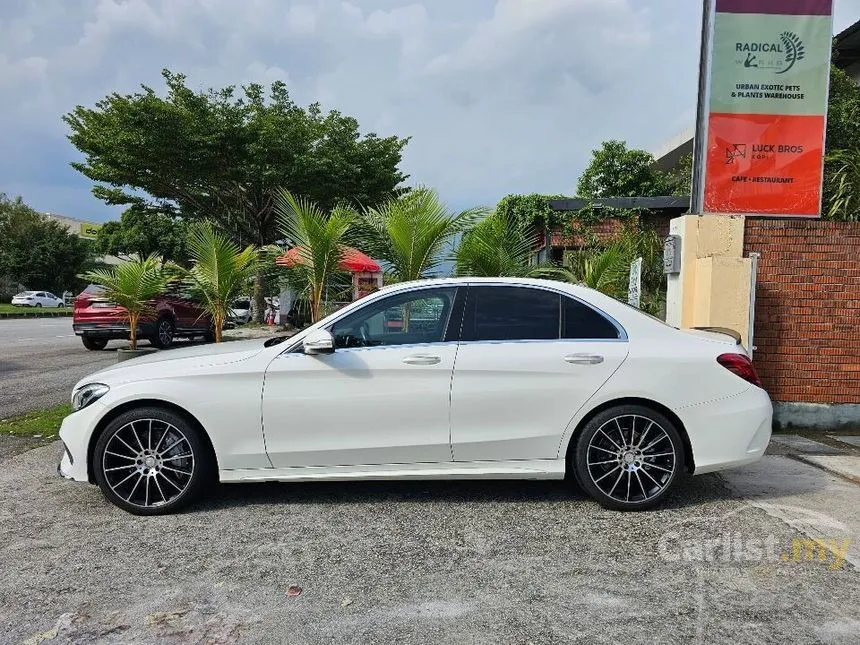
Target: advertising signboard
{"points": [[763, 106]]}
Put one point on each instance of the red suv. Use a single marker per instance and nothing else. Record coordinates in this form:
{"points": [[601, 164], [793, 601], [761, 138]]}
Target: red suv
{"points": [[97, 320]]}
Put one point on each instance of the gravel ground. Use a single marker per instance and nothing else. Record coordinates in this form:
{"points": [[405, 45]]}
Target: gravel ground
{"points": [[412, 562]]}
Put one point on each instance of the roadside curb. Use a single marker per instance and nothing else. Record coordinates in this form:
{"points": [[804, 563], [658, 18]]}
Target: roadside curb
{"points": [[41, 314], [826, 468]]}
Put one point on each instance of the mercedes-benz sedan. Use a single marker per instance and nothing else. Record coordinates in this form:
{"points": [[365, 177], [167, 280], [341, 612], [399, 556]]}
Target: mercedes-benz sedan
{"points": [[447, 379]]}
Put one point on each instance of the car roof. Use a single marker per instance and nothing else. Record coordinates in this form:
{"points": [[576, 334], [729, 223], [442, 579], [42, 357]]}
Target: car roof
{"points": [[621, 312], [527, 282]]}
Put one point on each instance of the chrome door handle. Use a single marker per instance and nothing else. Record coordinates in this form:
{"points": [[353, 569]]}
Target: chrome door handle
{"points": [[584, 359], [422, 359]]}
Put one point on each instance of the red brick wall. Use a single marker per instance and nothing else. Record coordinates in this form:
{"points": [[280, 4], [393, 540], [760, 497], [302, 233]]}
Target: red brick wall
{"points": [[807, 326]]}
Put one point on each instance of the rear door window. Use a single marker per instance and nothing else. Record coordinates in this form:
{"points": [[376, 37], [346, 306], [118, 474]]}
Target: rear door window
{"points": [[499, 313], [579, 321]]}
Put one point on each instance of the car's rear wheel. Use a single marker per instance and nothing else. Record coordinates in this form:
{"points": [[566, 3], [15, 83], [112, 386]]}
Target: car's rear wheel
{"points": [[38, 304], [628, 457], [94, 344], [165, 331], [151, 461]]}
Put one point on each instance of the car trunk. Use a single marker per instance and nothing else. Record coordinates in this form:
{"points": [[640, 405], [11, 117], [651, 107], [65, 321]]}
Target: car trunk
{"points": [[93, 307]]}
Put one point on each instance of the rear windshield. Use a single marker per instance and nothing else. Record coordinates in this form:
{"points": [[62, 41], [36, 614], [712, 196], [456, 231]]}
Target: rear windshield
{"points": [[242, 304], [94, 289]]}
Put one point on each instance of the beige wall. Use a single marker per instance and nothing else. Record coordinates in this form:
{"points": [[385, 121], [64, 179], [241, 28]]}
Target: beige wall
{"points": [[713, 288]]}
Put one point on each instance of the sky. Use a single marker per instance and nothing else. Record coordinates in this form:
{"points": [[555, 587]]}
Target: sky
{"points": [[499, 96]]}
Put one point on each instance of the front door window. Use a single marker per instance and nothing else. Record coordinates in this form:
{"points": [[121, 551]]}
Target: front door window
{"points": [[415, 317]]}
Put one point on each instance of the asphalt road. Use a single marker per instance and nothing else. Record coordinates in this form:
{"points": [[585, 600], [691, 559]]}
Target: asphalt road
{"points": [[40, 361], [427, 562]]}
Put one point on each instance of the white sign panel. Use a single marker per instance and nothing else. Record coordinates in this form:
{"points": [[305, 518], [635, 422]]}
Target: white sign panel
{"points": [[634, 290]]}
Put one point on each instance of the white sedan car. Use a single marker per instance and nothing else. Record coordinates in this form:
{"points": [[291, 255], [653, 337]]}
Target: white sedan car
{"points": [[37, 299], [449, 379]]}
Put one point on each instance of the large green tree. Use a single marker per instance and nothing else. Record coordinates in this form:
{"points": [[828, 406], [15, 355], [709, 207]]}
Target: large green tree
{"points": [[618, 171], [142, 233], [36, 251], [222, 155]]}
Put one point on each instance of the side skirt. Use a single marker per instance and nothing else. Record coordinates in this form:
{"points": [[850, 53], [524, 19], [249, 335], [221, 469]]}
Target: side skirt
{"points": [[521, 469]]}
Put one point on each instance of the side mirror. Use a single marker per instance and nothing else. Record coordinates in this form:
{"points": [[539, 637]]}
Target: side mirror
{"points": [[319, 341]]}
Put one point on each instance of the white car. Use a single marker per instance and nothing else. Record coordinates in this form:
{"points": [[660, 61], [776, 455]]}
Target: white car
{"points": [[37, 299], [463, 378], [240, 311]]}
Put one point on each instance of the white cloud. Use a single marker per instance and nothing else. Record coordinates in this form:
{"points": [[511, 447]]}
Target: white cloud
{"points": [[498, 95]]}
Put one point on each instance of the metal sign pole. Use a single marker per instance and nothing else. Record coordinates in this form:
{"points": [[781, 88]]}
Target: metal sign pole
{"points": [[753, 281], [700, 142]]}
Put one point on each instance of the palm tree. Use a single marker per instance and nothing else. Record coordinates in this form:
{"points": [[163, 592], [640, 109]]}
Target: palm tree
{"points": [[844, 203], [605, 270], [319, 238], [132, 285], [219, 272], [411, 232], [498, 246]]}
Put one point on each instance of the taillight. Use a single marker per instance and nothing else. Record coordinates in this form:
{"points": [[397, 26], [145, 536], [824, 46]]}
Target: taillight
{"points": [[741, 365], [82, 302]]}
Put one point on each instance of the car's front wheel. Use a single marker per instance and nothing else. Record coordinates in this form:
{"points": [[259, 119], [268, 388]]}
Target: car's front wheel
{"points": [[628, 457], [151, 461]]}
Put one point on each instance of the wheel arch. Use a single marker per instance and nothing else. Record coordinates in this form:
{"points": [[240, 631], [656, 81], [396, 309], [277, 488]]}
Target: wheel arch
{"points": [[142, 403], [648, 403]]}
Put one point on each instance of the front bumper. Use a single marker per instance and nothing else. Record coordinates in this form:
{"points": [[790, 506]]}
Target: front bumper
{"points": [[729, 432], [76, 431]]}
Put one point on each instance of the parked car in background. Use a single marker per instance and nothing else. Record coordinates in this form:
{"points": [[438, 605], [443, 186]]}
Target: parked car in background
{"points": [[97, 320], [37, 299], [240, 311], [550, 380]]}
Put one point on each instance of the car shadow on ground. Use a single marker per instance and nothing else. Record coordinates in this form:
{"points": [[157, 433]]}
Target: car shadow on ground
{"points": [[691, 491]]}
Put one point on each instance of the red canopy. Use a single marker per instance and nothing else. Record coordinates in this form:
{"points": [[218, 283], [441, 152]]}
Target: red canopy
{"points": [[353, 261]]}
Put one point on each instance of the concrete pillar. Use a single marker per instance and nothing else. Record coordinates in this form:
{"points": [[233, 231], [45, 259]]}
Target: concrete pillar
{"points": [[713, 287]]}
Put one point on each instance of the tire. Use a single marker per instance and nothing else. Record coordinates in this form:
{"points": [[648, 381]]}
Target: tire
{"points": [[209, 336], [38, 305], [628, 458], [94, 344], [137, 472], [165, 332]]}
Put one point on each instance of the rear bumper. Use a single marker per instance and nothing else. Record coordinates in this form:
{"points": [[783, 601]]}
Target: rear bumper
{"points": [[111, 330], [729, 432]]}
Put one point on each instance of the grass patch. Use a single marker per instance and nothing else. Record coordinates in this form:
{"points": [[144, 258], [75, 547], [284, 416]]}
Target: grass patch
{"points": [[44, 423], [6, 308]]}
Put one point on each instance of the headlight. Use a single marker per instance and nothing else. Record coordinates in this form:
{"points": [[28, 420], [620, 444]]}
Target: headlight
{"points": [[87, 394]]}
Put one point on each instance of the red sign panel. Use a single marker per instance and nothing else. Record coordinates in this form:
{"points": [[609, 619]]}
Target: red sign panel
{"points": [[764, 164]]}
